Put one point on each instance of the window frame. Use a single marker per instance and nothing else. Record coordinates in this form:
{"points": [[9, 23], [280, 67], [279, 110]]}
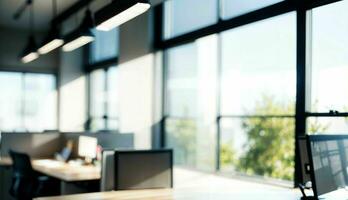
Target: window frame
{"points": [[300, 7]]}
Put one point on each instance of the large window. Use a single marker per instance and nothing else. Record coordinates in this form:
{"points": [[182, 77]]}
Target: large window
{"points": [[258, 93], [329, 69], [191, 107], [103, 99], [271, 56], [28, 102], [257, 99]]}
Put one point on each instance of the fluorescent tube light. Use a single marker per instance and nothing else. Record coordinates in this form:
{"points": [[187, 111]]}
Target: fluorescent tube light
{"points": [[30, 57], [124, 16], [30, 51], [50, 46], [119, 12], [77, 43]]}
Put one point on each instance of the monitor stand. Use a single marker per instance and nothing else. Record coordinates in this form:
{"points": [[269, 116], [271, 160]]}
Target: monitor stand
{"points": [[304, 196]]}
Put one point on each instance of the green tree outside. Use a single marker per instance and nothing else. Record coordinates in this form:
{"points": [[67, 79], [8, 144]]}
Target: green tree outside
{"points": [[269, 150]]}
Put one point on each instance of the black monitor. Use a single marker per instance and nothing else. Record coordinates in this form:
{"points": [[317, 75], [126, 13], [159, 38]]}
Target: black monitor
{"points": [[143, 169], [329, 166]]}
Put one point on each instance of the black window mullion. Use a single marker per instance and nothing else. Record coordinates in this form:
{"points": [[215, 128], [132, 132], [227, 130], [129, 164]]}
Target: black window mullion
{"points": [[300, 119]]}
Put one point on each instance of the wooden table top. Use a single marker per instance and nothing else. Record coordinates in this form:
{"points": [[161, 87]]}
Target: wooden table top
{"points": [[67, 172], [174, 194], [5, 161], [60, 170]]}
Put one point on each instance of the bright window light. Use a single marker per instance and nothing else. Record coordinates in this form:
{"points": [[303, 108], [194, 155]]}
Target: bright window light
{"points": [[124, 16], [30, 57], [51, 46], [77, 43]]}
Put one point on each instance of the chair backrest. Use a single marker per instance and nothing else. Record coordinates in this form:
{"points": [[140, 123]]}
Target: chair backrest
{"points": [[107, 170], [21, 164], [146, 169], [23, 182]]}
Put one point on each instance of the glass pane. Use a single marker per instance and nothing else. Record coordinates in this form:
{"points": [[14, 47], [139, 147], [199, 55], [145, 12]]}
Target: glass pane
{"points": [[98, 94], [112, 96], [258, 146], [10, 101], [194, 143], [40, 102], [182, 16], [112, 124], [191, 79], [105, 45], [327, 125], [329, 58], [259, 68], [234, 8], [97, 124]]}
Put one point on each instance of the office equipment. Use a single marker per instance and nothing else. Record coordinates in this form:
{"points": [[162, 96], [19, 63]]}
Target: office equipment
{"points": [[26, 184], [107, 170], [65, 153], [145, 169], [88, 148], [329, 166]]}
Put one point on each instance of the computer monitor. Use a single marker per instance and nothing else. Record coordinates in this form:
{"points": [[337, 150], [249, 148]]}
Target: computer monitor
{"points": [[87, 147], [329, 166]]}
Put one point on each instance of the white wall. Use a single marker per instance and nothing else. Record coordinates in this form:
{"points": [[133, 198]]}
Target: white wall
{"points": [[73, 92], [137, 68], [136, 84]]}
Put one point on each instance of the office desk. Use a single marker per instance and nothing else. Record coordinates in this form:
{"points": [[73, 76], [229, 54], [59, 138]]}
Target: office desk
{"points": [[5, 162], [173, 194], [60, 170], [66, 173]]}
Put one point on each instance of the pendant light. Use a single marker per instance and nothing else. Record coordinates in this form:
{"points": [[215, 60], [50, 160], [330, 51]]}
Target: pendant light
{"points": [[82, 35], [30, 51], [53, 39], [119, 12]]}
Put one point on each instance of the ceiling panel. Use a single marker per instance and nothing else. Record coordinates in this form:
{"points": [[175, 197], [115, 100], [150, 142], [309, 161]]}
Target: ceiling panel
{"points": [[42, 8], [43, 12]]}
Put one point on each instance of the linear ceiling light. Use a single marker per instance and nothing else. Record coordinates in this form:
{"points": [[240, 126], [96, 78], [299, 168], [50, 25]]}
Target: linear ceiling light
{"points": [[50, 45], [77, 43], [29, 54], [30, 51], [82, 35], [119, 12], [53, 40]]}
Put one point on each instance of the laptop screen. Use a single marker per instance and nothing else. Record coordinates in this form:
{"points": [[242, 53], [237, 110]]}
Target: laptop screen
{"points": [[329, 155]]}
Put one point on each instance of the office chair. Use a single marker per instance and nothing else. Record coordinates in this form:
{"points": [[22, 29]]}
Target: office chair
{"points": [[26, 183]]}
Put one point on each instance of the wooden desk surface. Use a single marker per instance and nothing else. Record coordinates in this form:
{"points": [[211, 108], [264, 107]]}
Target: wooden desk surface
{"points": [[66, 172], [175, 194], [60, 170], [5, 161]]}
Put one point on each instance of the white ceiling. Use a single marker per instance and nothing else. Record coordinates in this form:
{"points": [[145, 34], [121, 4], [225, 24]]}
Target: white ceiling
{"points": [[42, 10]]}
